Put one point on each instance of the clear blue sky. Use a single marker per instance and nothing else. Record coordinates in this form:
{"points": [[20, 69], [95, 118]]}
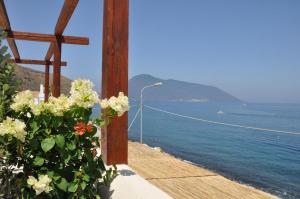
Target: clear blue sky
{"points": [[249, 48]]}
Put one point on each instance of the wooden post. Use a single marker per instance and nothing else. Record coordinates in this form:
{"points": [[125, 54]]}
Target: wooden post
{"points": [[56, 67], [114, 138], [46, 82]]}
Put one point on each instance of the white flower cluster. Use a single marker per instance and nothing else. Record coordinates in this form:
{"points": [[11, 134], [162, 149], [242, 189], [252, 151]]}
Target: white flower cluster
{"points": [[22, 99], [82, 94], [119, 104], [37, 109], [56, 106], [40, 185], [16, 128]]}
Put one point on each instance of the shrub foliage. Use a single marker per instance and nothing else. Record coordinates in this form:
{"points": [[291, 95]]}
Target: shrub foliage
{"points": [[52, 146], [8, 81]]}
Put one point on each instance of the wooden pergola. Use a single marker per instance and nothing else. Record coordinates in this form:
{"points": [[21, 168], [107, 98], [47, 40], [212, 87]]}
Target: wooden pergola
{"points": [[114, 138]]}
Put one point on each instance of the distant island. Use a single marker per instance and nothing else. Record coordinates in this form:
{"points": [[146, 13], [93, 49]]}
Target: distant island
{"points": [[174, 90], [171, 90]]}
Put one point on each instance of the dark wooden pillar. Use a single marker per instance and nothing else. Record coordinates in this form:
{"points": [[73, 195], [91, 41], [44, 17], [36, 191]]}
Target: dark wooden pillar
{"points": [[46, 82], [114, 138], [56, 67]]}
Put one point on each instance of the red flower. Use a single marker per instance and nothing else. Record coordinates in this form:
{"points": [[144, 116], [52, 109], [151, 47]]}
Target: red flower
{"points": [[81, 128], [89, 128]]}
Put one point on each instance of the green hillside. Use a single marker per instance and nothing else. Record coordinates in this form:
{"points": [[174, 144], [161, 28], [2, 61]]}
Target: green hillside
{"points": [[31, 79]]}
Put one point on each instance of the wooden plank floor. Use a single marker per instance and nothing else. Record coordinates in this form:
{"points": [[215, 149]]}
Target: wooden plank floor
{"points": [[183, 180]]}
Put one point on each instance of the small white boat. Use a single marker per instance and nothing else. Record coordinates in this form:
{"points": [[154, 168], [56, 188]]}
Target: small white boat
{"points": [[220, 112]]}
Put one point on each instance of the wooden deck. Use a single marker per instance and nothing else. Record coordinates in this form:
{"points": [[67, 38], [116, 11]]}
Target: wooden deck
{"points": [[183, 180]]}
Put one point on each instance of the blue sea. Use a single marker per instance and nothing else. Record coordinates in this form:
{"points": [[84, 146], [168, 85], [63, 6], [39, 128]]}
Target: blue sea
{"points": [[266, 160]]}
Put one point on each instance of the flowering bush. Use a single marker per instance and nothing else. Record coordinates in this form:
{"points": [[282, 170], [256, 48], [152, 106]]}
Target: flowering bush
{"points": [[8, 81], [54, 145]]}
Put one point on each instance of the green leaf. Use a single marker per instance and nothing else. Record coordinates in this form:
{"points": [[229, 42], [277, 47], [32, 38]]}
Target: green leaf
{"points": [[89, 155], [99, 122], [83, 185], [56, 177], [5, 87], [67, 158], [47, 144], [62, 184], [57, 122], [60, 141], [71, 146], [50, 174], [48, 131], [38, 161], [101, 163], [3, 49], [86, 178], [73, 187], [34, 126]]}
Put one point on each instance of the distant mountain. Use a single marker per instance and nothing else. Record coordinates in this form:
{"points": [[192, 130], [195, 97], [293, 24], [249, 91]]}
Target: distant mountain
{"points": [[174, 90], [31, 80]]}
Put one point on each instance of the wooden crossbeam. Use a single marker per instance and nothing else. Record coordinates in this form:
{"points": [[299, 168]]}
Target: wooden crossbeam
{"points": [[65, 15], [49, 52], [35, 62], [30, 36], [4, 22], [63, 19]]}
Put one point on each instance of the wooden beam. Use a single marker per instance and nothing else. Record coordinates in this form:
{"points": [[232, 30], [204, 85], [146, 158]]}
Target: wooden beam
{"points": [[46, 83], [4, 23], [114, 138], [35, 62], [65, 15], [49, 52], [56, 67], [47, 37], [63, 19], [13, 47]]}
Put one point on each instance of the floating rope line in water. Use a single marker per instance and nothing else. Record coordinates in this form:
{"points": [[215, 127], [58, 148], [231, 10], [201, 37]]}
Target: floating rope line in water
{"points": [[134, 118], [221, 123], [133, 106]]}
